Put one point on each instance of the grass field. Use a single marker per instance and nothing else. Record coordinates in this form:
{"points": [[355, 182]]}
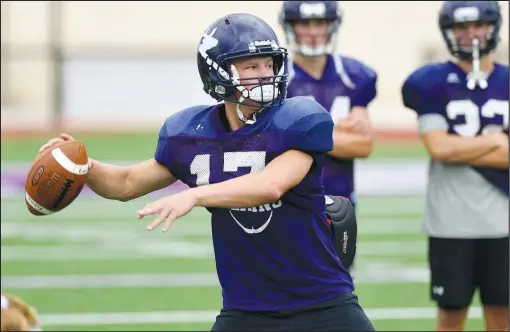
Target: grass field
{"points": [[141, 146], [94, 267]]}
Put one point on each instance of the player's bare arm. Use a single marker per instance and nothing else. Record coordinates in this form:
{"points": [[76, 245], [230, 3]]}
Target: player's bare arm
{"points": [[353, 136], [498, 158], [122, 183], [457, 149], [280, 175]]}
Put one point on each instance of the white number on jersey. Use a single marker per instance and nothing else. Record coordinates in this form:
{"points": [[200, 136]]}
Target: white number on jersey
{"points": [[472, 114], [201, 164], [340, 108]]}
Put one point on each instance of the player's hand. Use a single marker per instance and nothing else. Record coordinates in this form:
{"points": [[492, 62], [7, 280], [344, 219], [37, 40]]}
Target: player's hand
{"points": [[63, 137], [353, 124], [499, 138], [168, 209], [361, 123]]}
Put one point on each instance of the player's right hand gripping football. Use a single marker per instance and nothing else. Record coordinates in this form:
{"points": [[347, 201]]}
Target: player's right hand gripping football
{"points": [[63, 137]]}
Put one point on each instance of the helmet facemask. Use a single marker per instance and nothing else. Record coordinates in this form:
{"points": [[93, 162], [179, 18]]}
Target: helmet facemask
{"points": [[468, 47], [257, 92]]}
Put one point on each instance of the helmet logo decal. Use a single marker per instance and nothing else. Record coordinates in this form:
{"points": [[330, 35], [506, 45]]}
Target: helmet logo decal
{"points": [[466, 14], [308, 10], [208, 43]]}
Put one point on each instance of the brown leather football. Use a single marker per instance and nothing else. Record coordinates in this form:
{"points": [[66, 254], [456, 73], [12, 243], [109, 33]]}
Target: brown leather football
{"points": [[56, 177]]}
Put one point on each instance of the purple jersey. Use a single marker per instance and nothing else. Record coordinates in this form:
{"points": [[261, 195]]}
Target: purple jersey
{"points": [[345, 83], [275, 256], [440, 88]]}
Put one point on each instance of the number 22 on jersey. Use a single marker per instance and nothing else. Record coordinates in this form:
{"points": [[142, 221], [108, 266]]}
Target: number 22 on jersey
{"points": [[473, 114]]}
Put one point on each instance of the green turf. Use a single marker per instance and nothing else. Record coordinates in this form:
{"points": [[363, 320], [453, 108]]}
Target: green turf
{"points": [[150, 265], [123, 299], [383, 325], [421, 325], [104, 229], [135, 327], [141, 146]]}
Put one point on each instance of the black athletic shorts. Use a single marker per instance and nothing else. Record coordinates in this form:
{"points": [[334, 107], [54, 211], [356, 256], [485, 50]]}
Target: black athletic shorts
{"points": [[460, 266], [341, 314]]}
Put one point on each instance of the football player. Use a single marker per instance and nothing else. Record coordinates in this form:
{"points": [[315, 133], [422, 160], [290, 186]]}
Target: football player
{"points": [[255, 162], [344, 86], [462, 109], [17, 315]]}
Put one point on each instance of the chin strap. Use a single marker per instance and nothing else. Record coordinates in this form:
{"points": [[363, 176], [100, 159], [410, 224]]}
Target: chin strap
{"points": [[244, 118]]}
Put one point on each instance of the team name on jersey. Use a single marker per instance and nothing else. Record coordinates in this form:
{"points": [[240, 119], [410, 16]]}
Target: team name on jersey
{"points": [[261, 208]]}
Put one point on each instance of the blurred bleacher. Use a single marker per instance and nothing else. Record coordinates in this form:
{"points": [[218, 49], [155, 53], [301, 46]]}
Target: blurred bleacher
{"points": [[91, 63]]}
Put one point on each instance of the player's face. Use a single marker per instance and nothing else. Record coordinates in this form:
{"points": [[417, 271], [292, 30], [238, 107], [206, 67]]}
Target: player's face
{"points": [[254, 71], [466, 32], [311, 32]]}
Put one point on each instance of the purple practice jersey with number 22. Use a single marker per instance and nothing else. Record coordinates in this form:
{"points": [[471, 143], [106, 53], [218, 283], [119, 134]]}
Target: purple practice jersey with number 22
{"points": [[279, 255], [345, 83], [440, 89]]}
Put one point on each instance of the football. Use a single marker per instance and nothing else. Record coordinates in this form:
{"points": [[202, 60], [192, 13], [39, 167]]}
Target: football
{"points": [[56, 177]]}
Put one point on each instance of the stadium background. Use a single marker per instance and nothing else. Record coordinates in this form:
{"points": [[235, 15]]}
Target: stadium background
{"points": [[110, 73]]}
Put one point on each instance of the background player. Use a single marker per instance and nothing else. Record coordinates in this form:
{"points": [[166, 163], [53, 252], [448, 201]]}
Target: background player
{"points": [[255, 161], [342, 85], [17, 315], [462, 109]]}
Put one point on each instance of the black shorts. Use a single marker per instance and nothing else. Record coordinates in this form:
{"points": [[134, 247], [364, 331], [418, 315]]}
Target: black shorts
{"points": [[460, 266], [342, 314]]}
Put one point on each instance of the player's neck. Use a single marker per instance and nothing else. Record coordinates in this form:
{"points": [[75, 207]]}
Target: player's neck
{"points": [[486, 65], [233, 119], [313, 66]]}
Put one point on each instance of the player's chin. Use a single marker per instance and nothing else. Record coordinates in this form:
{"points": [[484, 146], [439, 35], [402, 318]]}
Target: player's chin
{"points": [[467, 45], [249, 103], [252, 104]]}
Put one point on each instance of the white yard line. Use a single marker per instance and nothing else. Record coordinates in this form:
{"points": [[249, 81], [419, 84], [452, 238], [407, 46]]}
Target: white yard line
{"points": [[112, 280], [368, 273], [210, 315], [88, 230], [107, 240], [173, 248]]}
